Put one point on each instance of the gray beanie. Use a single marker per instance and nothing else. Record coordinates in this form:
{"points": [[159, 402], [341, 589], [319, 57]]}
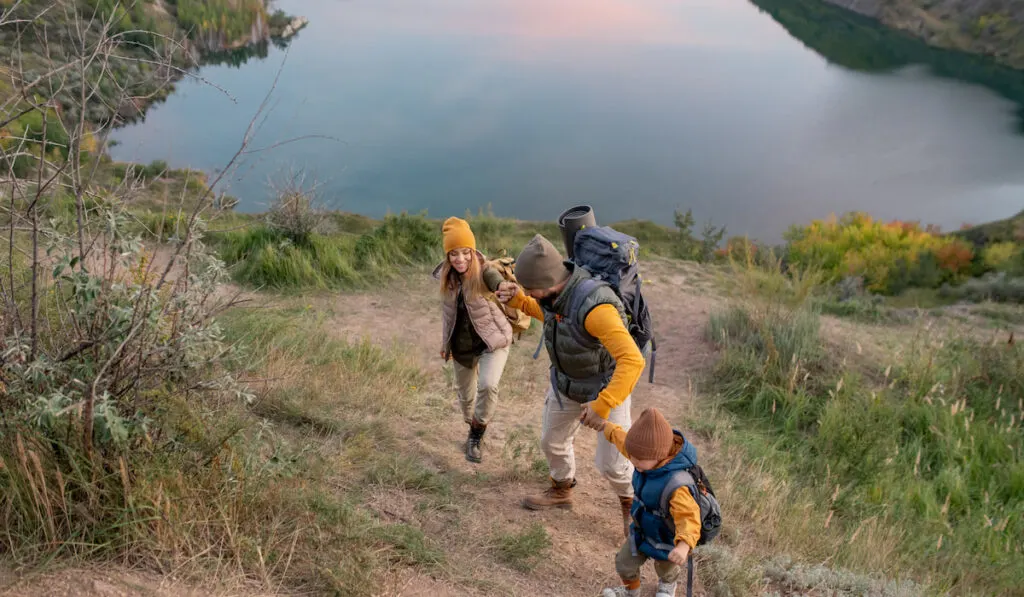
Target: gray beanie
{"points": [[540, 266]]}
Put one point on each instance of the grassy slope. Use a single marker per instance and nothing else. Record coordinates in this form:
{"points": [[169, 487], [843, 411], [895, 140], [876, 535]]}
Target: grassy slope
{"points": [[357, 486]]}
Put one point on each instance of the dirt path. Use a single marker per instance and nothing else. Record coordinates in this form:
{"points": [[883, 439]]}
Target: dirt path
{"points": [[584, 540]]}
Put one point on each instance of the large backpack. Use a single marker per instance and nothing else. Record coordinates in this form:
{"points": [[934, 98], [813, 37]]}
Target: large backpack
{"points": [[612, 257], [506, 266]]}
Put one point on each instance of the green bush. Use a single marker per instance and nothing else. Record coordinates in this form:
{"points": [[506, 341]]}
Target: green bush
{"points": [[998, 288]]}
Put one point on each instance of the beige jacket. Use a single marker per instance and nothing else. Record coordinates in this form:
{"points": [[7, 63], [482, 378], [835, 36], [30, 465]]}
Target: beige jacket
{"points": [[487, 318]]}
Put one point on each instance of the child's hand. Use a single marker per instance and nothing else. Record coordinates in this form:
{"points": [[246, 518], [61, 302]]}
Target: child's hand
{"points": [[679, 554]]}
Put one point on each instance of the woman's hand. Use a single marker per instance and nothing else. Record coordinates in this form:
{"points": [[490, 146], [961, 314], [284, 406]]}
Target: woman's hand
{"points": [[506, 290]]}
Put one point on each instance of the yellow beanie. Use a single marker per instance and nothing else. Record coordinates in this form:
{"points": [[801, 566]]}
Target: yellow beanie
{"points": [[457, 235]]}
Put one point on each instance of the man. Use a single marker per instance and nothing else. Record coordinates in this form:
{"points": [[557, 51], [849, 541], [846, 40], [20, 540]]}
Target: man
{"points": [[595, 365]]}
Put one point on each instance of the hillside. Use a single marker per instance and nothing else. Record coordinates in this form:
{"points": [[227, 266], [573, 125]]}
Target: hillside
{"points": [[195, 401], [991, 27], [336, 467], [117, 58]]}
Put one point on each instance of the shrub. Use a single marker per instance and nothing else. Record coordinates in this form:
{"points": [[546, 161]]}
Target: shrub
{"points": [[997, 287], [688, 246], [889, 256], [295, 211], [1003, 256]]}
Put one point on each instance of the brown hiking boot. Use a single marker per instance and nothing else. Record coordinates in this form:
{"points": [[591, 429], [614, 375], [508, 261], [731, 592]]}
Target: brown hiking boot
{"points": [[626, 504], [559, 495]]}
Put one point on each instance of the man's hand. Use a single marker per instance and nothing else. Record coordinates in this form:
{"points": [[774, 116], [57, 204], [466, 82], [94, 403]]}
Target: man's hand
{"points": [[506, 290], [679, 554], [592, 419]]}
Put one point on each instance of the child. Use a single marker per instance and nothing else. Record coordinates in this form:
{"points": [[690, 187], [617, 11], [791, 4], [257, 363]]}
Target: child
{"points": [[657, 452], [476, 333]]}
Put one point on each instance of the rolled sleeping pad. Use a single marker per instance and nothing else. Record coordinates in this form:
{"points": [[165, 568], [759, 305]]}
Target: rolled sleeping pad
{"points": [[572, 221]]}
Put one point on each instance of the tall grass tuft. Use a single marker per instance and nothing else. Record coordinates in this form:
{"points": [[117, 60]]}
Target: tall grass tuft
{"points": [[923, 461], [264, 257]]}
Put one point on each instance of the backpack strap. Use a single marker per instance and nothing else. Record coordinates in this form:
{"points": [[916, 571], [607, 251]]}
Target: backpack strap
{"points": [[654, 345], [654, 359], [678, 479], [581, 293]]}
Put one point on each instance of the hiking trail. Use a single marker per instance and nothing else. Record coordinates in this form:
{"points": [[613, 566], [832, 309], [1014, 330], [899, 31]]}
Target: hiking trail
{"points": [[580, 561]]}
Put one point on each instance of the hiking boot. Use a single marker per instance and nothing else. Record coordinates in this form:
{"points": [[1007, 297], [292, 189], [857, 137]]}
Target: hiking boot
{"points": [[666, 589], [476, 434], [620, 591], [559, 495], [626, 504]]}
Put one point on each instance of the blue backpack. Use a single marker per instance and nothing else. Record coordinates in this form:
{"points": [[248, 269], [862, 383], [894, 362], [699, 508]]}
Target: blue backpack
{"points": [[613, 258]]}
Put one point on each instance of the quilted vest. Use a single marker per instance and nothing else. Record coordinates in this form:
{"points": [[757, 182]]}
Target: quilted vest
{"points": [[580, 365]]}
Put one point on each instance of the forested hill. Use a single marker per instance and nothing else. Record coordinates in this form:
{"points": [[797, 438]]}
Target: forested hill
{"points": [[990, 27]]}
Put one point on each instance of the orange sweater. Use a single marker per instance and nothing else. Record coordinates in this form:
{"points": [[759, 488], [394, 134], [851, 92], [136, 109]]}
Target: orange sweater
{"points": [[605, 324], [684, 509]]}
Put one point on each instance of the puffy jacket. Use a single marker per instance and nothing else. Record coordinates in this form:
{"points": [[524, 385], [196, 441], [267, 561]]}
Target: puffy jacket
{"points": [[487, 318]]}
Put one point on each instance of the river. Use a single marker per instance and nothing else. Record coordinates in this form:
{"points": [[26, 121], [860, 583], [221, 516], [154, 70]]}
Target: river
{"points": [[755, 115]]}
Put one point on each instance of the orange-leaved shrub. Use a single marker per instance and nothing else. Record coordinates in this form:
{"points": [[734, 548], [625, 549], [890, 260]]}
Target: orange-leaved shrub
{"points": [[889, 256]]}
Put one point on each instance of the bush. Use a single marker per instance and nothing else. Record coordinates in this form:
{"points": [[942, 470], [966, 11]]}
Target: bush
{"points": [[998, 288], [689, 246], [295, 211], [1003, 257], [889, 256]]}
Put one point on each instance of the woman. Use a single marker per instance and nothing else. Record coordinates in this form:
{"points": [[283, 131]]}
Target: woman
{"points": [[476, 333]]}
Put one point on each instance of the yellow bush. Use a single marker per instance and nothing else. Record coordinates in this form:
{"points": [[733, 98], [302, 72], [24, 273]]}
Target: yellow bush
{"points": [[1000, 256], [887, 255]]}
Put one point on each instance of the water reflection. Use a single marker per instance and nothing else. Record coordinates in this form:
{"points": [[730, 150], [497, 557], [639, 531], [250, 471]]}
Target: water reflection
{"points": [[859, 43], [237, 57]]}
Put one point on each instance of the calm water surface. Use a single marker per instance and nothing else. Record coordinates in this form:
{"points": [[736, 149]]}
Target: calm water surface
{"points": [[756, 116]]}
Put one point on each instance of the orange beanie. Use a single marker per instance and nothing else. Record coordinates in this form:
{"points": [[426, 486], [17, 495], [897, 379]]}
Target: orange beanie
{"points": [[457, 235], [650, 438]]}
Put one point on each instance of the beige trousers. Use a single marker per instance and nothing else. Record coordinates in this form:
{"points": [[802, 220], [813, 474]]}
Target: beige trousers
{"points": [[478, 386], [562, 421]]}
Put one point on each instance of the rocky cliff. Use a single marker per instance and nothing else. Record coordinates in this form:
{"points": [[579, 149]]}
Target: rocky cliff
{"points": [[991, 27]]}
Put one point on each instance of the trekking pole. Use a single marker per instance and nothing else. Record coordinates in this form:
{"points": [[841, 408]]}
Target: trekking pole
{"points": [[689, 575]]}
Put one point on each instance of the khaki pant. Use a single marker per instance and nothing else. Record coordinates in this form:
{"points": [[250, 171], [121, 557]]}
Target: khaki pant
{"points": [[628, 566], [562, 421], [478, 386]]}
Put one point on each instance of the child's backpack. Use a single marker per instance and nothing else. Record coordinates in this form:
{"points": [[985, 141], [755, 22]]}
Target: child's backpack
{"points": [[612, 257], [520, 321], [710, 511]]}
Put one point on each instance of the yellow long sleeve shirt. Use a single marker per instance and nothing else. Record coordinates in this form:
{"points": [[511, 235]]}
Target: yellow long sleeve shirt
{"points": [[683, 508], [604, 323]]}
